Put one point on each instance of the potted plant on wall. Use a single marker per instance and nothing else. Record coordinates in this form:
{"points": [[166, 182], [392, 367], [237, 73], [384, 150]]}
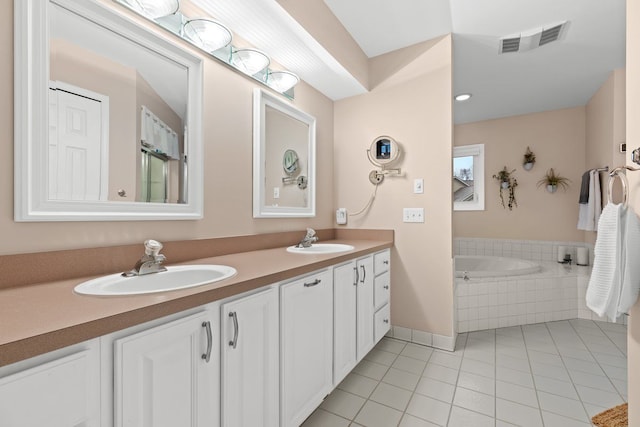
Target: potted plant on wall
{"points": [[529, 159], [553, 181], [507, 183]]}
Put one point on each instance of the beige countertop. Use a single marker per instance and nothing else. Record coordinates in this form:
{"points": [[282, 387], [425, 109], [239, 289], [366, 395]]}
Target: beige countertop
{"points": [[36, 319]]}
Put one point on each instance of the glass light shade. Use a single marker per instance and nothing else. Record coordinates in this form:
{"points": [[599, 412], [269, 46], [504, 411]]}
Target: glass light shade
{"points": [[463, 97], [207, 34], [154, 9], [249, 61], [282, 81]]}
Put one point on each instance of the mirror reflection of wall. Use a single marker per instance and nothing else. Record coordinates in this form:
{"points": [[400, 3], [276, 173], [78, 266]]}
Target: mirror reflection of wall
{"points": [[283, 134], [130, 77]]}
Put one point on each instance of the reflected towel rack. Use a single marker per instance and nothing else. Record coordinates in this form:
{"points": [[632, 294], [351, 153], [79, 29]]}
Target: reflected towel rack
{"points": [[604, 169]]}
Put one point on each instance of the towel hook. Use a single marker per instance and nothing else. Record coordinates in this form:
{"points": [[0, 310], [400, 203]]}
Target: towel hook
{"points": [[623, 179]]}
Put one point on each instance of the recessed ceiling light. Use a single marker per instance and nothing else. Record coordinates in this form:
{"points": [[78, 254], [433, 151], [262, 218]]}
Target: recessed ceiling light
{"points": [[463, 97]]}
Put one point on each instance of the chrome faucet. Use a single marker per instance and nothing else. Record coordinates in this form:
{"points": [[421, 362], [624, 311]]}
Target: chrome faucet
{"points": [[308, 239], [151, 262]]}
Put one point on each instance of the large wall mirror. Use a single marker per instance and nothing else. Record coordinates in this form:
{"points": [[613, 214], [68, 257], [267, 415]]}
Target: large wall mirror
{"points": [[107, 117], [284, 148]]}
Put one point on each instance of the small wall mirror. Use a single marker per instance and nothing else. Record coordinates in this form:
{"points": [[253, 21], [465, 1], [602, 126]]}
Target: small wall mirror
{"points": [[284, 145], [108, 117]]}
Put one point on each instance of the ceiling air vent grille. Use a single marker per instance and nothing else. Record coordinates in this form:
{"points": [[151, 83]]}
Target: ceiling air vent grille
{"points": [[532, 39]]}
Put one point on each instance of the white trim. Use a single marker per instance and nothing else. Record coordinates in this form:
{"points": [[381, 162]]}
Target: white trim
{"points": [[31, 76], [477, 151], [260, 210]]}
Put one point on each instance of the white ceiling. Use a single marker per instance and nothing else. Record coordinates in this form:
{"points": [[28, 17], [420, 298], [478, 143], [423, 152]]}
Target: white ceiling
{"points": [[562, 74]]}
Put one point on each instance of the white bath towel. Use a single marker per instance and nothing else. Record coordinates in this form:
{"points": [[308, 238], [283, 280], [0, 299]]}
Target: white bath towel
{"points": [[605, 276], [589, 214], [631, 262]]}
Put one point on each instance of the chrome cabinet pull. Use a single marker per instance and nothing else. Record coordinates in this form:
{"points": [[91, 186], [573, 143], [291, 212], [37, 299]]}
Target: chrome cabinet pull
{"points": [[314, 283], [355, 270], [207, 355], [236, 329], [386, 320], [386, 261], [364, 273], [386, 286]]}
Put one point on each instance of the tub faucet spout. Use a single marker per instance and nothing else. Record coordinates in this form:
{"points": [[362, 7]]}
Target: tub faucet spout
{"points": [[151, 262], [308, 239]]}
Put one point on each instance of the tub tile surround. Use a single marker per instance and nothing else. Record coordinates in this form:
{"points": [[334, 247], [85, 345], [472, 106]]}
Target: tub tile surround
{"points": [[42, 313], [556, 293]]}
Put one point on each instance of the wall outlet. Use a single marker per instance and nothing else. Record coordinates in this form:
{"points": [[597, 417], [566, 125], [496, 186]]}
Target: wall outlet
{"points": [[276, 192], [341, 216], [413, 215], [418, 186]]}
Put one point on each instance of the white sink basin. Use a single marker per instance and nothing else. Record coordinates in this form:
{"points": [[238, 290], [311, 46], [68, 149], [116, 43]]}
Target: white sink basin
{"points": [[321, 248], [176, 277]]}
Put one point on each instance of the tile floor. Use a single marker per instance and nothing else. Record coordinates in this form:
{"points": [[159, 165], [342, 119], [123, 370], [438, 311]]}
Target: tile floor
{"points": [[555, 374]]}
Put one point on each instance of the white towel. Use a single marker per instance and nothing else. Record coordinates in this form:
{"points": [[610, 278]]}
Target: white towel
{"points": [[605, 276], [589, 213], [631, 262]]}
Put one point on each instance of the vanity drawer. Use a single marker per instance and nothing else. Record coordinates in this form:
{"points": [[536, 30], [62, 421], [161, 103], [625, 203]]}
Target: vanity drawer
{"points": [[381, 262], [382, 322], [382, 289]]}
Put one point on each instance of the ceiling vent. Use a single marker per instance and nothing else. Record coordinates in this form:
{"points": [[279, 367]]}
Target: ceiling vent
{"points": [[533, 39]]}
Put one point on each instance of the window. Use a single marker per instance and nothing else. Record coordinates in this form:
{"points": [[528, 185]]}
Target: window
{"points": [[468, 178]]}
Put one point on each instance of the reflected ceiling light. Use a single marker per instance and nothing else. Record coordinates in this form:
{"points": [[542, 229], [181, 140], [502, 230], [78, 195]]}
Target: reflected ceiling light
{"points": [[463, 97], [207, 34], [154, 9], [249, 61], [281, 81]]}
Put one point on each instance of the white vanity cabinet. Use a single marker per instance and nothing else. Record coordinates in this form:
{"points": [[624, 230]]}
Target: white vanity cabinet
{"points": [[58, 389], [382, 291], [364, 306], [306, 346], [249, 388], [344, 320], [167, 375]]}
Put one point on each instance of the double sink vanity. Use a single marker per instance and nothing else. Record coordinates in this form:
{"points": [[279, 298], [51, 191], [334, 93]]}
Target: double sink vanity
{"points": [[262, 346]]}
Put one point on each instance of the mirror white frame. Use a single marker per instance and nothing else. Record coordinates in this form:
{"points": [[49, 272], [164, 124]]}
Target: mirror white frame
{"points": [[31, 79], [261, 100]]}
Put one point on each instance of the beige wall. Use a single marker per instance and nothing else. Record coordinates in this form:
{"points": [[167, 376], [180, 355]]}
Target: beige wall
{"points": [[605, 120], [557, 139], [633, 141], [417, 113], [227, 130]]}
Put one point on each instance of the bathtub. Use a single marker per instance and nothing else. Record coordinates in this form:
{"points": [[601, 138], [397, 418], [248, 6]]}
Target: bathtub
{"points": [[492, 266]]}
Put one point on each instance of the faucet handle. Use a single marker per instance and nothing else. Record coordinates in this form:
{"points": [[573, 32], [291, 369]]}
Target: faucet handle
{"points": [[310, 233], [152, 247]]}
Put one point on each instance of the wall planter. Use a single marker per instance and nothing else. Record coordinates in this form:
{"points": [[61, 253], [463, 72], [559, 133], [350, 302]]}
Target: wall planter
{"points": [[508, 185], [552, 181], [528, 160]]}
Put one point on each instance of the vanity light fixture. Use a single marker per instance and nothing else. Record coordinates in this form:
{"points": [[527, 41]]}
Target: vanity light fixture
{"points": [[207, 34], [249, 61], [154, 9], [463, 97], [281, 81]]}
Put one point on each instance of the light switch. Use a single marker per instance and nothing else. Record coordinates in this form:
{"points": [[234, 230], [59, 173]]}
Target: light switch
{"points": [[276, 192], [413, 215], [418, 186]]}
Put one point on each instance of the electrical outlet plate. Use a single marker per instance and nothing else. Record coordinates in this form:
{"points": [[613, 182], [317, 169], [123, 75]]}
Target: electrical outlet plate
{"points": [[341, 216], [413, 215]]}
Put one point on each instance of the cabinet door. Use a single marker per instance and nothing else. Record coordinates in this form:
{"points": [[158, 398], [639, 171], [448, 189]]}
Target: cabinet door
{"points": [[344, 320], [306, 346], [60, 393], [365, 306], [162, 377], [250, 361]]}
